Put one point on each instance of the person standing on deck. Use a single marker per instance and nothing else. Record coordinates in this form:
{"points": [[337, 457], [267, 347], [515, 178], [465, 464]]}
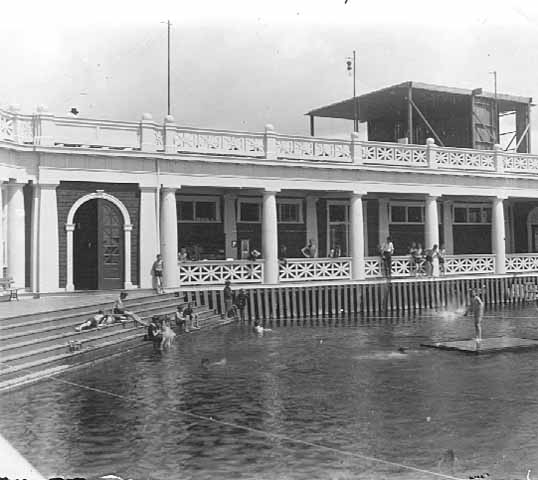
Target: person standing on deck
{"points": [[241, 302], [476, 308], [309, 250], [387, 250], [157, 271], [228, 298]]}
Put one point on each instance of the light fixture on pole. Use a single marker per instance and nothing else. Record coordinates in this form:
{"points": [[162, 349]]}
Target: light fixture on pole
{"points": [[168, 64], [351, 66]]}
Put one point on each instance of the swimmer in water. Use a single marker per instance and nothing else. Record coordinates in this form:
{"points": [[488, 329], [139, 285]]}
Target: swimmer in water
{"points": [[259, 329], [402, 350], [205, 363]]}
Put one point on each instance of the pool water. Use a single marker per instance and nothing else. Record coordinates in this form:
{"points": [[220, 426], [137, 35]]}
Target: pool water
{"points": [[341, 385]]}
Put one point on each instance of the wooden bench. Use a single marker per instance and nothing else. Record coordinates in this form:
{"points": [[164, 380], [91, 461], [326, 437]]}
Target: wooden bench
{"points": [[7, 285]]}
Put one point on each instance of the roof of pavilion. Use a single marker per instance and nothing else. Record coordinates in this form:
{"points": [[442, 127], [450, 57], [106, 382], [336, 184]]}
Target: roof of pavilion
{"points": [[382, 102]]}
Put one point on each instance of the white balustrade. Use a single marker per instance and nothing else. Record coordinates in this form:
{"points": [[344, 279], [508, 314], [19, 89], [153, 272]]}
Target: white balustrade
{"points": [[119, 135], [313, 149], [465, 159], [394, 154], [521, 262], [223, 142], [217, 272], [464, 264], [100, 134], [520, 163], [7, 126], [294, 270]]}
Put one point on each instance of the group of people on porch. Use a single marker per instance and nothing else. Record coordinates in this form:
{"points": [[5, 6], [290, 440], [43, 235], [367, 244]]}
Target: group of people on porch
{"points": [[421, 261]]}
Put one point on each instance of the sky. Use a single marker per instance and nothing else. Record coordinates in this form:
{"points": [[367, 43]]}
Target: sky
{"points": [[239, 65]]}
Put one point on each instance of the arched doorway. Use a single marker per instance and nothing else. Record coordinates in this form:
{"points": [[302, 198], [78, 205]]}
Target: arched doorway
{"points": [[98, 246], [532, 229]]}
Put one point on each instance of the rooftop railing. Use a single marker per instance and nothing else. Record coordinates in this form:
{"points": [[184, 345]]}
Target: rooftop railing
{"points": [[46, 130]]}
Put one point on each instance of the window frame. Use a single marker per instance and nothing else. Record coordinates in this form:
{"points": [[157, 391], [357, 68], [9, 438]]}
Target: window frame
{"points": [[467, 206], [200, 198], [290, 201], [406, 205], [279, 201]]}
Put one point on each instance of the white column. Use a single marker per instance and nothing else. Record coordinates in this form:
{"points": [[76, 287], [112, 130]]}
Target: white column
{"points": [[148, 247], [2, 262], [270, 237], [357, 237], [431, 228], [383, 220], [312, 221], [230, 226], [47, 240], [69, 285], [365, 226], [16, 241], [127, 283], [498, 235], [169, 237], [448, 234], [431, 222]]}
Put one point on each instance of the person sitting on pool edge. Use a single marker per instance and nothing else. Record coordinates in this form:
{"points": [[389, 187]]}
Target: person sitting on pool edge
{"points": [[259, 329], [120, 313], [476, 307], [188, 312]]}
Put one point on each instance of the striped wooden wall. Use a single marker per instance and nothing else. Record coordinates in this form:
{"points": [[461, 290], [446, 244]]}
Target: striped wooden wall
{"points": [[376, 297]]}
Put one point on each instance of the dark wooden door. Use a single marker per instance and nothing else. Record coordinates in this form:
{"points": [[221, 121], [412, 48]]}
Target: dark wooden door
{"points": [[85, 246], [109, 246], [535, 238]]}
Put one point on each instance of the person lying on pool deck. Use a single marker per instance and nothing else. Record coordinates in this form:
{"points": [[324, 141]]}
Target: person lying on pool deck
{"points": [[93, 322]]}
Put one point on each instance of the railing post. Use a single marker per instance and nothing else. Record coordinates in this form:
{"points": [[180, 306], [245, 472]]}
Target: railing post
{"points": [[44, 127], [356, 149], [431, 153], [147, 134], [269, 142], [498, 158], [169, 131]]}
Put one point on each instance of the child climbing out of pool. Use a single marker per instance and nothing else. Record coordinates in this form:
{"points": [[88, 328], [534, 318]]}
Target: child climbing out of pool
{"points": [[259, 329], [168, 335], [93, 322], [476, 308], [154, 331]]}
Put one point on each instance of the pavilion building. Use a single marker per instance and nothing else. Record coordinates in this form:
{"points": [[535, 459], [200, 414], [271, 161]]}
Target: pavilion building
{"points": [[87, 204]]}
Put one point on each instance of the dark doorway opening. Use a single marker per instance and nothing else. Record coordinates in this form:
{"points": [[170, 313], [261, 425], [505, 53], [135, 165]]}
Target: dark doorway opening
{"points": [[98, 246]]}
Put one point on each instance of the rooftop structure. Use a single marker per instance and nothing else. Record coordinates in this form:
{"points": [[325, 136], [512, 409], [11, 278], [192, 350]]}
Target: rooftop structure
{"points": [[411, 112]]}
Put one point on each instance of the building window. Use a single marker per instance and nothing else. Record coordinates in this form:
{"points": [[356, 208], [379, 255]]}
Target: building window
{"points": [[199, 209], [249, 211], [405, 213], [338, 213], [290, 211], [472, 214]]}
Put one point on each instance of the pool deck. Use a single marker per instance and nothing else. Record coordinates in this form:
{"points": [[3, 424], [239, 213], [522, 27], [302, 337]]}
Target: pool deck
{"points": [[487, 345]]}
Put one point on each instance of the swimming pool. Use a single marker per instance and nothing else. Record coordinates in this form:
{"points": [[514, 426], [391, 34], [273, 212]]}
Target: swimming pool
{"points": [[341, 390]]}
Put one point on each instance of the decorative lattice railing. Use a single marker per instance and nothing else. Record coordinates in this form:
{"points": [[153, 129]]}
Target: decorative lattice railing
{"points": [[45, 129], [463, 159], [465, 264], [296, 270], [518, 262], [394, 154], [313, 149], [220, 142], [217, 272]]}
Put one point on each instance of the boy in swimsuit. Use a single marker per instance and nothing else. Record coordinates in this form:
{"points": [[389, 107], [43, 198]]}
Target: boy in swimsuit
{"points": [[476, 308]]}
